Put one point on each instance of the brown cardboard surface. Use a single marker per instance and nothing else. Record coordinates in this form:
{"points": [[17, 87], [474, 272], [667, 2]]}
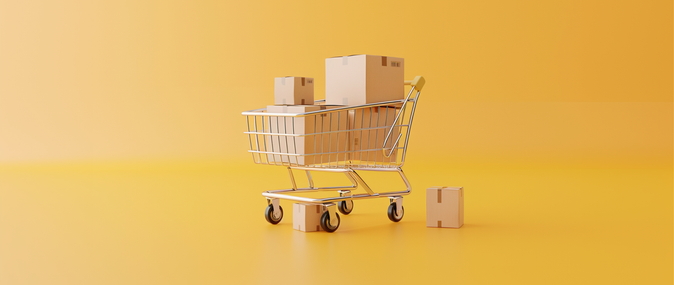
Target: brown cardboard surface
{"points": [[444, 207], [293, 90], [361, 140], [362, 79], [307, 217], [317, 146]]}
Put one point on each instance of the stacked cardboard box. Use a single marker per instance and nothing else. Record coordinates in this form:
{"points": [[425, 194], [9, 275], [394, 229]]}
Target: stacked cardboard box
{"points": [[311, 139], [363, 79], [291, 90], [319, 139], [444, 207], [307, 217]]}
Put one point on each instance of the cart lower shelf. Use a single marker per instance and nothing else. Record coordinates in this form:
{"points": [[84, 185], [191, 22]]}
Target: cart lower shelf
{"points": [[330, 220]]}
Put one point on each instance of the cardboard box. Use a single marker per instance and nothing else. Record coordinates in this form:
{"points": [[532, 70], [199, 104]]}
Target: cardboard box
{"points": [[317, 146], [362, 79], [444, 207], [307, 217], [293, 90], [365, 146]]}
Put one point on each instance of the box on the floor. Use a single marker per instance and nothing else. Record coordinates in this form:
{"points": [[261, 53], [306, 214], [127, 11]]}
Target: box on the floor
{"points": [[444, 207], [307, 217], [315, 144], [291, 90], [362, 79], [368, 130]]}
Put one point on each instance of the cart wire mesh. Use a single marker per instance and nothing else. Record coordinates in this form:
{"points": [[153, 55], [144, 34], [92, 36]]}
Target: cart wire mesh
{"points": [[363, 137]]}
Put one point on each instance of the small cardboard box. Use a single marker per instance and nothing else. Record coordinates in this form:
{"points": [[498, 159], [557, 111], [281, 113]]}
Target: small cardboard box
{"points": [[314, 145], [307, 217], [362, 79], [365, 143], [293, 90], [444, 207]]}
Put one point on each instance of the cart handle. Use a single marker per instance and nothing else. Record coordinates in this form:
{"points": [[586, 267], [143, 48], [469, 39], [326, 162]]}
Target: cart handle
{"points": [[416, 83]]}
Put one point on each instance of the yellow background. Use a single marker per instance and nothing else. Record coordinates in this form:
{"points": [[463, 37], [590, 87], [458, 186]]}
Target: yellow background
{"points": [[122, 158]]}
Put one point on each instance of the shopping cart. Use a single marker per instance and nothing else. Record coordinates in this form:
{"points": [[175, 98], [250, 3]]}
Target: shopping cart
{"points": [[369, 137]]}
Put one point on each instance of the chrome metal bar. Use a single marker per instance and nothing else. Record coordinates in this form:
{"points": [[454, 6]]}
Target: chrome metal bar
{"points": [[369, 135], [354, 182], [351, 125], [404, 178], [327, 170], [409, 129], [292, 178], [360, 180], [278, 138], [321, 133], [314, 154], [297, 159], [392, 126], [333, 199], [330, 140], [287, 149], [264, 138], [260, 112], [360, 144], [396, 120], [314, 139], [318, 189], [322, 137], [311, 181], [320, 167], [257, 139], [385, 169], [250, 140], [403, 112]]}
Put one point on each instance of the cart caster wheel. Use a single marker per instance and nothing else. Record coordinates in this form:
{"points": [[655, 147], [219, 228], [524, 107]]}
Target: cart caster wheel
{"points": [[325, 222], [345, 207], [269, 215], [393, 214]]}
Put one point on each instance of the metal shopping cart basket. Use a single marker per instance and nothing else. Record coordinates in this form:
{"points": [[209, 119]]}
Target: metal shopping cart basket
{"points": [[346, 139]]}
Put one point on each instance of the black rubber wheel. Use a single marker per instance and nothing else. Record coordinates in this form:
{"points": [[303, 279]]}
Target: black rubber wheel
{"points": [[393, 214], [345, 207], [325, 222], [269, 215]]}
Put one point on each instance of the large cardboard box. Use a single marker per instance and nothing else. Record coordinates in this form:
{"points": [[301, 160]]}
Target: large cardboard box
{"points": [[293, 90], [320, 142], [369, 127], [362, 79], [307, 217], [444, 207]]}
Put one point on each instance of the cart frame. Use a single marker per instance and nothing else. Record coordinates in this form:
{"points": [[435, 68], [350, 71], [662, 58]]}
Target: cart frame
{"points": [[344, 203]]}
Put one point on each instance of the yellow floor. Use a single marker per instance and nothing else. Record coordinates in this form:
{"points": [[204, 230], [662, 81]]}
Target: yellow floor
{"points": [[204, 224]]}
